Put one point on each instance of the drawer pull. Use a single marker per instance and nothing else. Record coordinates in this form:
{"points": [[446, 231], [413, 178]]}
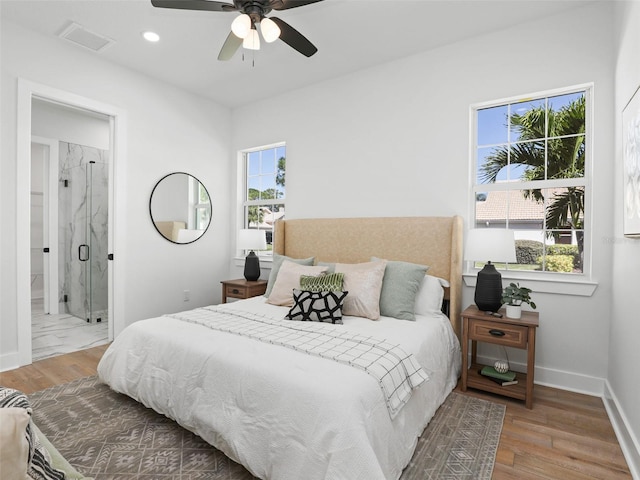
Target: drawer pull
{"points": [[496, 333], [236, 291]]}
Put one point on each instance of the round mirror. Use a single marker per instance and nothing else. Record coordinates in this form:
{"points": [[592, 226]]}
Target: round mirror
{"points": [[180, 208]]}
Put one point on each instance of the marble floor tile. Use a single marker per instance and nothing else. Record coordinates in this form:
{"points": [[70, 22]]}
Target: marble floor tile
{"points": [[53, 335]]}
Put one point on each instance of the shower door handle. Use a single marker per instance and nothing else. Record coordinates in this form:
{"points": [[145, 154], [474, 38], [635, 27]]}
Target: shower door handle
{"points": [[83, 248]]}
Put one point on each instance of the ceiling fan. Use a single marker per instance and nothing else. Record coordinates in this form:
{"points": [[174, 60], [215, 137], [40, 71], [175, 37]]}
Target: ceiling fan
{"points": [[244, 27]]}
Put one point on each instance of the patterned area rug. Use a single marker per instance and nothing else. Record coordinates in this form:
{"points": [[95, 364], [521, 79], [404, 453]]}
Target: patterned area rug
{"points": [[106, 435]]}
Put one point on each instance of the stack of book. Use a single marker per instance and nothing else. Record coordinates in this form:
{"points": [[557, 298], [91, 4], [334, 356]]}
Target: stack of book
{"points": [[504, 379]]}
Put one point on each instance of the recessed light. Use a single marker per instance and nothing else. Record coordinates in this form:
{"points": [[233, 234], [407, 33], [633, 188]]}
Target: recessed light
{"points": [[151, 36]]}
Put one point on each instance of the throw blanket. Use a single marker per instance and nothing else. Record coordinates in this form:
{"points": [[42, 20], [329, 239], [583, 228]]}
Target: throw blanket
{"points": [[397, 372]]}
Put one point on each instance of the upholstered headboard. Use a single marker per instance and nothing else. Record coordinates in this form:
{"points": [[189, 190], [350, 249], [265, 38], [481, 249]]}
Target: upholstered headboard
{"points": [[432, 241]]}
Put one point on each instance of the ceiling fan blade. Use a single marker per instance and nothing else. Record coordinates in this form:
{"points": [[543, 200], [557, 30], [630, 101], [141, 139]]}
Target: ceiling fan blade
{"points": [[294, 38], [287, 4], [195, 5], [230, 47]]}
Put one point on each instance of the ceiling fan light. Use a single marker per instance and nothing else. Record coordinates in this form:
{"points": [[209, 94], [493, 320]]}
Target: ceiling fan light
{"points": [[270, 31], [252, 40], [241, 26]]}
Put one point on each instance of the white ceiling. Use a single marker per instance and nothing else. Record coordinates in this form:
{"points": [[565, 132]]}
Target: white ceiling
{"points": [[350, 35]]}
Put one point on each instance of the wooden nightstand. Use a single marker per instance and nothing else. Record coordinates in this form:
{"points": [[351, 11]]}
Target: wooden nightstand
{"points": [[478, 326], [242, 288]]}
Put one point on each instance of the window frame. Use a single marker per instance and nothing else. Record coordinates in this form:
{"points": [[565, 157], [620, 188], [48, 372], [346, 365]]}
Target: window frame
{"points": [[540, 279], [197, 206], [243, 202]]}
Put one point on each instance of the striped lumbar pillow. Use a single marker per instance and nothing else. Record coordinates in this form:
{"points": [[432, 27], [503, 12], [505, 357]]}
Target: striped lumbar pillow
{"points": [[331, 282]]}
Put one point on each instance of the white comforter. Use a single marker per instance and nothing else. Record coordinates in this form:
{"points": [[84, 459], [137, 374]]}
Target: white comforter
{"points": [[283, 414]]}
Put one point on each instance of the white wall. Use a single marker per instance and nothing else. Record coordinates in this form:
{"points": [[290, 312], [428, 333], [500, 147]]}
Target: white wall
{"points": [[623, 378], [393, 140], [167, 130]]}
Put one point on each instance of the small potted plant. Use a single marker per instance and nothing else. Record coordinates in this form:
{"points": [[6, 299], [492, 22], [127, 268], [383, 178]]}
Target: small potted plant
{"points": [[513, 297]]}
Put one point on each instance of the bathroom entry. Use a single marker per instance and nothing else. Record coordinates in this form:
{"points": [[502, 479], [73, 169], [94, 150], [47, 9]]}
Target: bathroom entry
{"points": [[70, 189]]}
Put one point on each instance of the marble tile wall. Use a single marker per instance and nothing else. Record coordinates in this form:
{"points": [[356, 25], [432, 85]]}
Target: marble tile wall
{"points": [[83, 220]]}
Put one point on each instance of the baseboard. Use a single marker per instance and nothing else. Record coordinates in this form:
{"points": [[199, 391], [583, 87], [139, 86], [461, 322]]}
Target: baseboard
{"points": [[9, 361], [628, 442]]}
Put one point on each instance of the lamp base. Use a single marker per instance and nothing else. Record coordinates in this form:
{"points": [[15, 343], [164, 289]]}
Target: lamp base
{"points": [[252, 267], [488, 296]]}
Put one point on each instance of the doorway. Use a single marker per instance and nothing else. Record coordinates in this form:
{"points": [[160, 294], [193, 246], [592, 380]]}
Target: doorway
{"points": [[69, 231], [93, 306]]}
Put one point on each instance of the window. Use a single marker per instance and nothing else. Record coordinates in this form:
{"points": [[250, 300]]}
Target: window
{"points": [[530, 161], [201, 204], [264, 188]]}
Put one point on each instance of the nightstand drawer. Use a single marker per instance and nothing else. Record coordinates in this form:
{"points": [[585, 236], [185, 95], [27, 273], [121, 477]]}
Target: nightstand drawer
{"points": [[494, 332], [236, 292]]}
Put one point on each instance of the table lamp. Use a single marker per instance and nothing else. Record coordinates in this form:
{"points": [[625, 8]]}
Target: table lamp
{"points": [[490, 244], [250, 239]]}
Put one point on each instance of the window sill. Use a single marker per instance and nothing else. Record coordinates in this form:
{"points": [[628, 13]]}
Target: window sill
{"points": [[582, 288], [265, 262]]}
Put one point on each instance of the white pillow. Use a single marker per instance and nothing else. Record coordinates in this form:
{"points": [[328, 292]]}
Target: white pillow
{"points": [[289, 278], [363, 281], [430, 295]]}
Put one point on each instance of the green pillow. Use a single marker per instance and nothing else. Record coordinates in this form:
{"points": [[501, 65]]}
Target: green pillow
{"points": [[400, 286], [277, 263], [331, 282]]}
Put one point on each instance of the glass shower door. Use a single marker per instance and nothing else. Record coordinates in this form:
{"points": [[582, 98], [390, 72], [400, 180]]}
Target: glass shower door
{"points": [[84, 223], [96, 267]]}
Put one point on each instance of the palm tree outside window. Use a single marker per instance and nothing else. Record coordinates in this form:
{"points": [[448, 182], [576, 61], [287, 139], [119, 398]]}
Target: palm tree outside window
{"points": [[531, 176]]}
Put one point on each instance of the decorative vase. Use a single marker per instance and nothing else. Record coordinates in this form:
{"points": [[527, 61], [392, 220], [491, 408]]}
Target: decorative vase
{"points": [[514, 311], [501, 366]]}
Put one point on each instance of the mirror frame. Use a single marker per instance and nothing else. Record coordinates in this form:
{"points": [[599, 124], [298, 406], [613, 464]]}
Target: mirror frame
{"points": [[151, 210]]}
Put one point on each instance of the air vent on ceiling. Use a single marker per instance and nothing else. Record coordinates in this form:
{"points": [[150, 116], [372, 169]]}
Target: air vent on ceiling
{"points": [[79, 35]]}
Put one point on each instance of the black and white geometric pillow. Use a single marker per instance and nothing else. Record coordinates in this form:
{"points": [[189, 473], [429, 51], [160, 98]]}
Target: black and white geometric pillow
{"points": [[317, 306]]}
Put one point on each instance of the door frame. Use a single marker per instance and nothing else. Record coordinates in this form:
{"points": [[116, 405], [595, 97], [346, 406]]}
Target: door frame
{"points": [[27, 90], [50, 222]]}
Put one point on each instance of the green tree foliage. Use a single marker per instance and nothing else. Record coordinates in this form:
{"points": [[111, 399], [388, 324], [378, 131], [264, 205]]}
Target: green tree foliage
{"points": [[528, 251], [559, 263], [254, 213], [282, 163]]}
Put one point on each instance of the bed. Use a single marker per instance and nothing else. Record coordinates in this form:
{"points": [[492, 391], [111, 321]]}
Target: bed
{"points": [[289, 408]]}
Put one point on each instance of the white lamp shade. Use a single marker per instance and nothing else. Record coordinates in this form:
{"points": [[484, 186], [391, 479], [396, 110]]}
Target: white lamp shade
{"points": [[249, 239], [252, 40], [490, 245], [270, 31], [241, 26]]}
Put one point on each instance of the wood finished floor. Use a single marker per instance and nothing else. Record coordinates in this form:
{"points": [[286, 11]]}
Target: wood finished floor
{"points": [[565, 436]]}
